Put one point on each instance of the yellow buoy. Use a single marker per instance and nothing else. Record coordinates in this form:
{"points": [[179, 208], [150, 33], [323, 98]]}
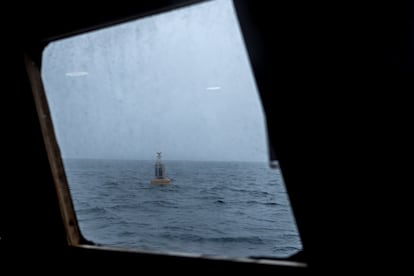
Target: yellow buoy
{"points": [[160, 177]]}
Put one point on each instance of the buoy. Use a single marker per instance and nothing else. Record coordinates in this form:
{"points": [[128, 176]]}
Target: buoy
{"points": [[160, 177]]}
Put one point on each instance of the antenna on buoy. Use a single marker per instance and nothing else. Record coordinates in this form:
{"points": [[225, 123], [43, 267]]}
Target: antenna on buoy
{"points": [[160, 177]]}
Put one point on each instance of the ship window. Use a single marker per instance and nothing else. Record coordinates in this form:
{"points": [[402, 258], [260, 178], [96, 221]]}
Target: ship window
{"points": [[162, 137]]}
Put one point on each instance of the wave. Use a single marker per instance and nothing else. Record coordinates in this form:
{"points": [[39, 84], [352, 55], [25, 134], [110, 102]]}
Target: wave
{"points": [[197, 238], [94, 211], [247, 239], [263, 203], [160, 203], [285, 250], [123, 206], [203, 208]]}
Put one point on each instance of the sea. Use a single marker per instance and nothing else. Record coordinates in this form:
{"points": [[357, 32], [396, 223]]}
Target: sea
{"points": [[229, 209]]}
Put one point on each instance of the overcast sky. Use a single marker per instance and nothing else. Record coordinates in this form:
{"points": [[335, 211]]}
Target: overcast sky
{"points": [[179, 83]]}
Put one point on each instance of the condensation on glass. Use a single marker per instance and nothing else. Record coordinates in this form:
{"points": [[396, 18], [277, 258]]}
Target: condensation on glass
{"points": [[178, 84]]}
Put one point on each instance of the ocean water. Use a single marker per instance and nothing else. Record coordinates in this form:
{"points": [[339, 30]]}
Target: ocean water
{"points": [[232, 209]]}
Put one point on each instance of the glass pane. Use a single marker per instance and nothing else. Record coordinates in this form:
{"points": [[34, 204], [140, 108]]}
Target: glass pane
{"points": [[163, 137]]}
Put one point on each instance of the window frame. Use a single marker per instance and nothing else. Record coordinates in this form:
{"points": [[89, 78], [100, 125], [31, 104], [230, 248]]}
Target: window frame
{"points": [[74, 236]]}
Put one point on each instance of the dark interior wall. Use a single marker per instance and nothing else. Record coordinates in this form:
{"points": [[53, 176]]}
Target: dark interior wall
{"points": [[335, 81]]}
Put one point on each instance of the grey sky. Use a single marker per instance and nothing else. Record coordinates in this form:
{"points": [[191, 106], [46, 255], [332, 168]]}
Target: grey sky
{"points": [[179, 83]]}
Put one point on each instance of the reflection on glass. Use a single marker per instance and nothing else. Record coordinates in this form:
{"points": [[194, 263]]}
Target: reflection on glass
{"points": [[178, 83]]}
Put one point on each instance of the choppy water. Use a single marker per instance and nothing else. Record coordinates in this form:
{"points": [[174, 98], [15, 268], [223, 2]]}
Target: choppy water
{"points": [[234, 209]]}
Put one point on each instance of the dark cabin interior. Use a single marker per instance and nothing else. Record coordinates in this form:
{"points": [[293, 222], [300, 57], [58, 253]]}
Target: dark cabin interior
{"points": [[334, 81]]}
